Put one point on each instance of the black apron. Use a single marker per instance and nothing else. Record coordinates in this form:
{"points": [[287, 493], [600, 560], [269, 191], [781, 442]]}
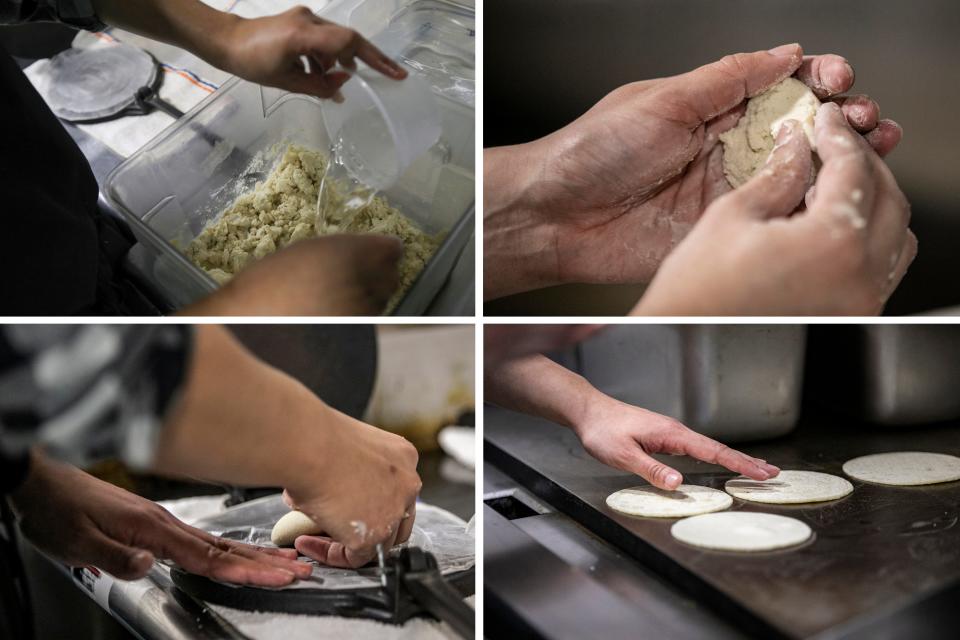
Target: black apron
{"points": [[59, 255]]}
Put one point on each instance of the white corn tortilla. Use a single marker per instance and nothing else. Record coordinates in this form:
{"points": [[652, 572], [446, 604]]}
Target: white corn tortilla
{"points": [[790, 487], [686, 500], [741, 531], [904, 468]]}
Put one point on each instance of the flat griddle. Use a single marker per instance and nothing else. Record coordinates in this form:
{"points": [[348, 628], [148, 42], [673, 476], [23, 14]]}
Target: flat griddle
{"points": [[879, 556]]}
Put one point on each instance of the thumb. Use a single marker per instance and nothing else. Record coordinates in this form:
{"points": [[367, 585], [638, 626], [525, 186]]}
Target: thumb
{"points": [[779, 187], [655, 472], [117, 559], [715, 88]]}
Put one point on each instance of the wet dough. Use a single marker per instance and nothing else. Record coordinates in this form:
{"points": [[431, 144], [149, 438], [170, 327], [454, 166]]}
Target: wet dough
{"points": [[283, 209], [686, 500], [747, 145], [294, 524], [741, 531], [904, 468], [790, 487]]}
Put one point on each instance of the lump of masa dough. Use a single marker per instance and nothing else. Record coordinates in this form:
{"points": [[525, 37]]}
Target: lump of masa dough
{"points": [[747, 146]]}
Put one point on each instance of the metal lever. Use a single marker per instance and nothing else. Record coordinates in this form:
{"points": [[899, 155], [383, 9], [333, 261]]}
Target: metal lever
{"points": [[423, 580]]}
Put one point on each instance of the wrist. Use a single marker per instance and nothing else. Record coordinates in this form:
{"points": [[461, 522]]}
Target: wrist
{"points": [[519, 243], [311, 459], [223, 45]]}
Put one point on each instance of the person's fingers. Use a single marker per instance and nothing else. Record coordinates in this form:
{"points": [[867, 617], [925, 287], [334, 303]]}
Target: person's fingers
{"points": [[333, 554], [827, 75], [907, 253], [117, 559], [281, 558], [322, 85], [378, 266], [638, 461], [885, 137], [717, 87], [199, 557], [406, 524], [701, 447], [861, 112], [778, 188], [380, 61], [846, 185]]}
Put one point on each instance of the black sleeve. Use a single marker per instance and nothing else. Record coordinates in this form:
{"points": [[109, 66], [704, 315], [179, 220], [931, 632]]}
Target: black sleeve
{"points": [[88, 392], [79, 13]]}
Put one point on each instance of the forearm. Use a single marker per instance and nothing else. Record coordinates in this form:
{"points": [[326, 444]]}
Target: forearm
{"points": [[189, 24], [538, 386], [243, 422], [519, 249]]}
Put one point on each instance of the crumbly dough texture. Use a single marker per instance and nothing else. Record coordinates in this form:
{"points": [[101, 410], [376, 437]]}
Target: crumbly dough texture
{"points": [[651, 502], [790, 487], [283, 209], [904, 468], [292, 525], [748, 145], [741, 531]]}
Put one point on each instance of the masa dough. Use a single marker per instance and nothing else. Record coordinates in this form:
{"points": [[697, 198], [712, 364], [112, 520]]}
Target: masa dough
{"points": [[292, 525], [747, 145], [904, 468], [790, 487], [651, 502], [283, 209], [741, 531]]}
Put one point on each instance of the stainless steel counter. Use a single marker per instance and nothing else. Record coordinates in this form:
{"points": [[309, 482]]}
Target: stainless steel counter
{"points": [[884, 562]]}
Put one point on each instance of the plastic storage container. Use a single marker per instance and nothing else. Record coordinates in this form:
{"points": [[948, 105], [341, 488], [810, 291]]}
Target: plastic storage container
{"points": [[174, 186], [887, 375], [734, 383]]}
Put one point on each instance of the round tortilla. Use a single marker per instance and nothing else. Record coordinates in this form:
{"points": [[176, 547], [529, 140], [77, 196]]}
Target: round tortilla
{"points": [[904, 468], [651, 502], [741, 531], [790, 487]]}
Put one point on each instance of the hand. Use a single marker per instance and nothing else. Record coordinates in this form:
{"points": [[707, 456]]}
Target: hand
{"points": [[606, 198], [364, 495], [749, 256], [624, 436], [268, 51], [333, 275], [80, 520]]}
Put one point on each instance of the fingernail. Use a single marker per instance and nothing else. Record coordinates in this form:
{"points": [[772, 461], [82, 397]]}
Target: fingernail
{"points": [[673, 479], [784, 50]]}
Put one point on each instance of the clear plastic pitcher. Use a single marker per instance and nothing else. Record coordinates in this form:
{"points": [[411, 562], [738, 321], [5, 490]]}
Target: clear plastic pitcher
{"points": [[382, 125]]}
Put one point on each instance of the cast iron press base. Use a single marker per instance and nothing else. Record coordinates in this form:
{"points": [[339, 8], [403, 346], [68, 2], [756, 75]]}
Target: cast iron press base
{"points": [[394, 604]]}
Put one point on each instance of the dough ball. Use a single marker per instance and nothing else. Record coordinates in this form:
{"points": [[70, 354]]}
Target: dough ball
{"points": [[651, 502], [790, 487], [290, 526], [747, 146], [741, 531], [904, 468]]}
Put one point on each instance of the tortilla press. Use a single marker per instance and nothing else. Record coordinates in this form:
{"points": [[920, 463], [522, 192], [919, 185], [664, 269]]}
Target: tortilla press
{"points": [[95, 85], [414, 587]]}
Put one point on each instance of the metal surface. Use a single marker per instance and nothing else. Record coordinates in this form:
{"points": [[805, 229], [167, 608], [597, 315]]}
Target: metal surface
{"points": [[887, 374], [733, 382], [546, 576], [880, 551]]}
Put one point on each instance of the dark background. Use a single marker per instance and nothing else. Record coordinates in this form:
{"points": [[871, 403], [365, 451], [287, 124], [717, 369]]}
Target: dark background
{"points": [[546, 62]]}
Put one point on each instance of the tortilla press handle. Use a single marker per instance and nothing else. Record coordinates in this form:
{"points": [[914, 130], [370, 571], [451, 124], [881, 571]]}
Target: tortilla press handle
{"points": [[424, 582], [147, 97]]}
